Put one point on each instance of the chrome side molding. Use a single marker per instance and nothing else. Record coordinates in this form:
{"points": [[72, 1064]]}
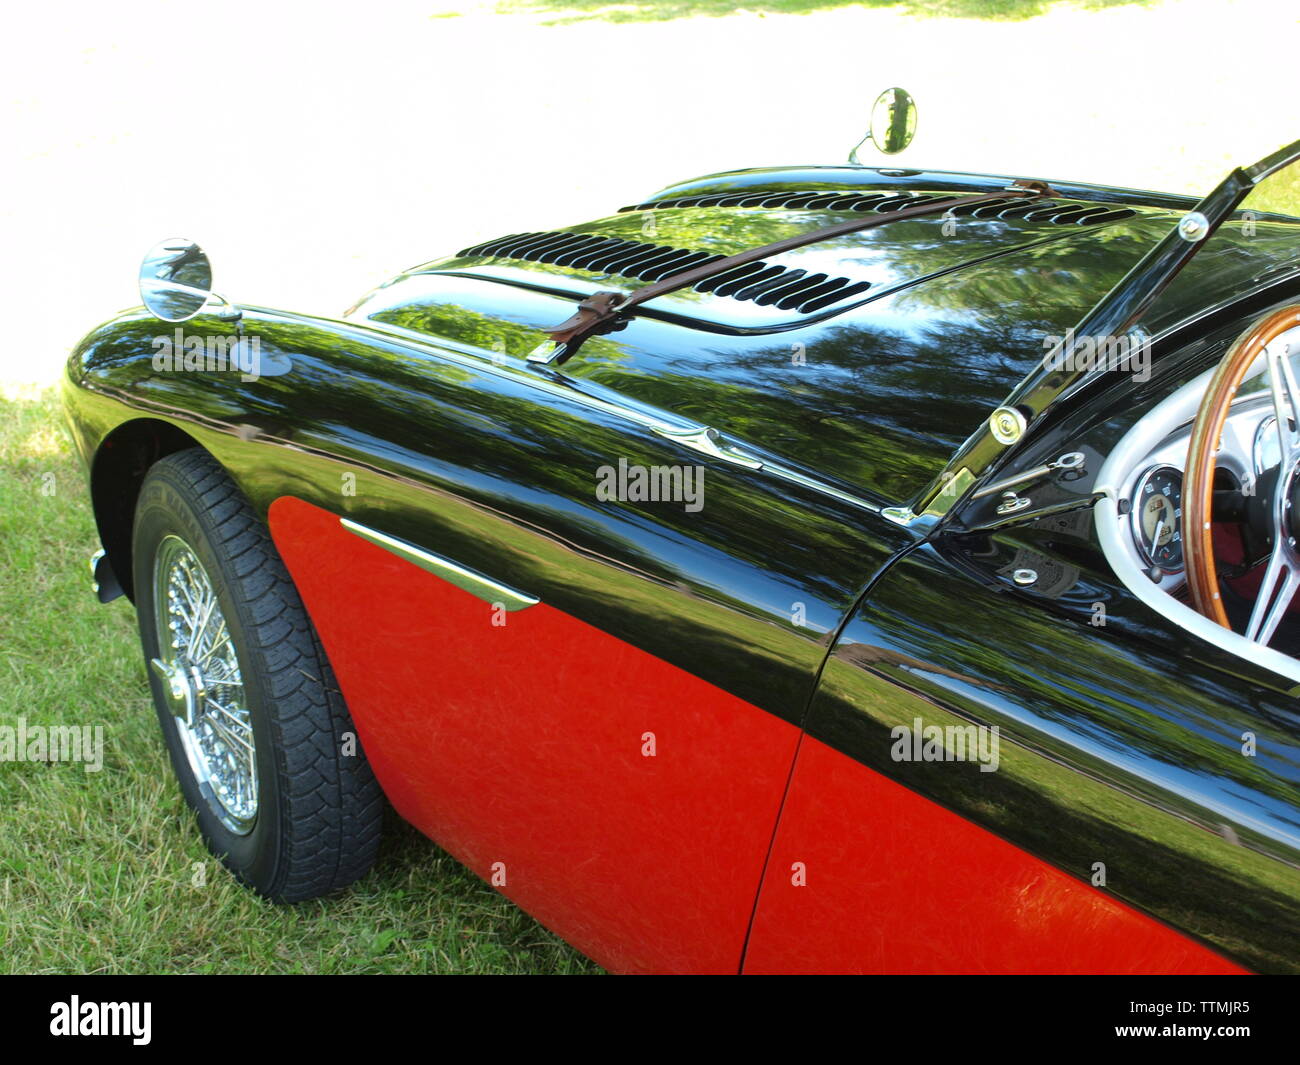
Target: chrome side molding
{"points": [[709, 442], [476, 584]]}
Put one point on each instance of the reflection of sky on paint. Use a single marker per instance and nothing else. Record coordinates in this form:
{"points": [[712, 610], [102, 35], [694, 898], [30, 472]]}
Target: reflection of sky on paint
{"points": [[678, 546], [1228, 798], [728, 231], [889, 326], [730, 579], [886, 391], [1054, 282]]}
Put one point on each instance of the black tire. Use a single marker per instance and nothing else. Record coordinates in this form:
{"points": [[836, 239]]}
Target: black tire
{"points": [[319, 809]]}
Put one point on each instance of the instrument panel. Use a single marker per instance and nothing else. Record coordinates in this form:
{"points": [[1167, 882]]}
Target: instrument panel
{"points": [[1157, 511], [1152, 495]]}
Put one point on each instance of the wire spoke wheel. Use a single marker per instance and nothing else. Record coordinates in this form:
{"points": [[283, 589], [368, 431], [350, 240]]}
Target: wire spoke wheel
{"points": [[203, 685], [256, 730]]}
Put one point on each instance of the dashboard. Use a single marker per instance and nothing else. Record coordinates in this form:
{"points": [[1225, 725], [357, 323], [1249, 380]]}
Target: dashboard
{"points": [[1148, 487], [1138, 514]]}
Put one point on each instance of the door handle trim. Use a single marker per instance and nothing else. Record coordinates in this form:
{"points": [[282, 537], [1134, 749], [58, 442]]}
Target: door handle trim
{"points": [[468, 580]]}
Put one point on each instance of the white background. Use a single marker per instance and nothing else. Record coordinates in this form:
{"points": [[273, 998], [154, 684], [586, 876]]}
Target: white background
{"points": [[316, 149]]}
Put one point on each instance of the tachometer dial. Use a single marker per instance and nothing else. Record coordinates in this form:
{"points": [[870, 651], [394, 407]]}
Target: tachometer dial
{"points": [[1157, 518]]}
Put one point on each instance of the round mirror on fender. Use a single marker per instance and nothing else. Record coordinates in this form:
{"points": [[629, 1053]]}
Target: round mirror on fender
{"points": [[175, 280], [893, 123]]}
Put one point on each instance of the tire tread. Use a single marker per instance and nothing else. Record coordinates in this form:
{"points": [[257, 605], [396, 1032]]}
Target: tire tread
{"points": [[331, 805]]}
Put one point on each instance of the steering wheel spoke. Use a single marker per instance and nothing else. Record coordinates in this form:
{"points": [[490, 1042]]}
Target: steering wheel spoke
{"points": [[1276, 592], [1286, 401]]}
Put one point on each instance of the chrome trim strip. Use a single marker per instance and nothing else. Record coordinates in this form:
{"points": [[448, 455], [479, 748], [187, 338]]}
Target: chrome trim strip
{"points": [[708, 441], [476, 584], [814, 485]]}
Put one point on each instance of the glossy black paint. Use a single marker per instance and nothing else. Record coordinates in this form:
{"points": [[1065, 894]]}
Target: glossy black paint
{"points": [[1108, 754], [1221, 242], [1123, 732], [472, 461], [421, 416], [874, 395]]}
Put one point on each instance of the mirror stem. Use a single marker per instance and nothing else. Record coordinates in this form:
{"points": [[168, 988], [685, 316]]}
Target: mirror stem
{"points": [[228, 312]]}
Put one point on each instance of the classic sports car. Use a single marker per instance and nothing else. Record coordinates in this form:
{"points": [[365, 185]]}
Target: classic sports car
{"points": [[833, 568]]}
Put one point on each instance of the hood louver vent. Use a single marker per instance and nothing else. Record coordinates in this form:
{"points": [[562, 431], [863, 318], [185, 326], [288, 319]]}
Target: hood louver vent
{"points": [[818, 201], [1038, 211], [785, 288], [1060, 214]]}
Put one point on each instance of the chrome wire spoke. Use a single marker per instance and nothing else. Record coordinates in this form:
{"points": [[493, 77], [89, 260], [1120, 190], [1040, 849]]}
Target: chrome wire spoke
{"points": [[241, 723], [232, 760], [208, 654], [204, 615], [188, 587], [200, 669], [228, 735]]}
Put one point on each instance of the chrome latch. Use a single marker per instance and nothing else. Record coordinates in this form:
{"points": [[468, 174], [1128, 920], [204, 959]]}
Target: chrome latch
{"points": [[1012, 503]]}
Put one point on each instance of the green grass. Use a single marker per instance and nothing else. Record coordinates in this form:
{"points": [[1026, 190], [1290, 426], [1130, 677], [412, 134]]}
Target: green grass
{"points": [[661, 10], [105, 872]]}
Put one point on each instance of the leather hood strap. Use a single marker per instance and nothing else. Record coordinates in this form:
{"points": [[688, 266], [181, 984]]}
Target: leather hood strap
{"points": [[599, 310]]}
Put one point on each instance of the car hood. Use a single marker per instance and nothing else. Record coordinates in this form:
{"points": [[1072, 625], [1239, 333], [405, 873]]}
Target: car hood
{"points": [[868, 358], [649, 241]]}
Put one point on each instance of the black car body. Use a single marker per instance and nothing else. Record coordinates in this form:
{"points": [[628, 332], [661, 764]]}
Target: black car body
{"points": [[1143, 814]]}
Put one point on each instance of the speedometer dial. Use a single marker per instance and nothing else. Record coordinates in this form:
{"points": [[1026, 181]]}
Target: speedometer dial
{"points": [[1157, 518]]}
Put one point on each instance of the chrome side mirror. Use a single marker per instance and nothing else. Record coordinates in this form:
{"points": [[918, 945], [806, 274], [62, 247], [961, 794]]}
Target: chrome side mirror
{"points": [[893, 124], [176, 282]]}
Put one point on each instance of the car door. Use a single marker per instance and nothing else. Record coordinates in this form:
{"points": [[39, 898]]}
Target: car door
{"points": [[1013, 764]]}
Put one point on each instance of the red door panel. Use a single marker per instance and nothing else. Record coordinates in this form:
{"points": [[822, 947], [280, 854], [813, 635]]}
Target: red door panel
{"points": [[523, 745], [895, 883]]}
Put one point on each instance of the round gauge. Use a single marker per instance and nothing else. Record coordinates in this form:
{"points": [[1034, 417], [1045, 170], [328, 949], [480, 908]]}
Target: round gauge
{"points": [[1268, 450], [1157, 518]]}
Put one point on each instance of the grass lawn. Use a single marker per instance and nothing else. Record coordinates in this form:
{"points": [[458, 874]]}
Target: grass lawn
{"points": [[104, 871], [561, 11], [478, 115]]}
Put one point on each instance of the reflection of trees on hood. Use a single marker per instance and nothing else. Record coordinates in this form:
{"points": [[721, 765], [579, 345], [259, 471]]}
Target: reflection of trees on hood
{"points": [[889, 391]]}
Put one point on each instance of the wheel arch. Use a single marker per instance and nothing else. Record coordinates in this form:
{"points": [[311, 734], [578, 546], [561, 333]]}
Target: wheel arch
{"points": [[117, 471]]}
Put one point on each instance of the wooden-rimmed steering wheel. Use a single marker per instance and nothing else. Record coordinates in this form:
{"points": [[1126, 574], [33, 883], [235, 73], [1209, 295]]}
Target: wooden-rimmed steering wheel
{"points": [[1282, 577]]}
